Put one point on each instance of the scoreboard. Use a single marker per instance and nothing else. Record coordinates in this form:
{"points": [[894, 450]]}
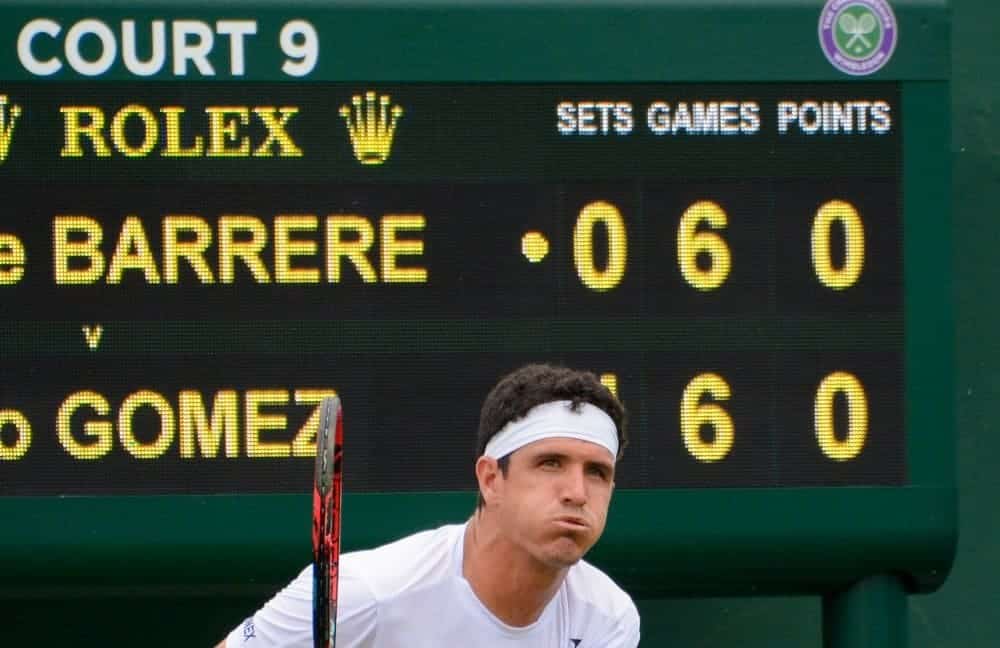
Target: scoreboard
{"points": [[215, 215]]}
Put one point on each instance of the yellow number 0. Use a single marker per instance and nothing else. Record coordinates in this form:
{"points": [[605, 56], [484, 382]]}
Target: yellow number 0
{"points": [[690, 243], [857, 416], [583, 246], [838, 211], [694, 414]]}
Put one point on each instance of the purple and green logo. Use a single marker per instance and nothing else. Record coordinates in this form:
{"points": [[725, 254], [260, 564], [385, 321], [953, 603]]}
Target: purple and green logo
{"points": [[858, 36]]}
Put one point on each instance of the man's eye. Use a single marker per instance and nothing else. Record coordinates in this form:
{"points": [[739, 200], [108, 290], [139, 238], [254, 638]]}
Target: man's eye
{"points": [[599, 472], [553, 463]]}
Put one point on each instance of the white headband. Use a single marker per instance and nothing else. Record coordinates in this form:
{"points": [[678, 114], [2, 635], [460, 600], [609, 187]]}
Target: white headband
{"points": [[556, 419]]}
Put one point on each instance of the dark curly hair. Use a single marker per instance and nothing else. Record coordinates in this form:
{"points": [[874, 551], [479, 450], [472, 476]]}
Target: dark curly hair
{"points": [[534, 384]]}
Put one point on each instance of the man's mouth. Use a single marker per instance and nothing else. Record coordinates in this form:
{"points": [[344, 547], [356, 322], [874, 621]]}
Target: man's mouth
{"points": [[572, 522]]}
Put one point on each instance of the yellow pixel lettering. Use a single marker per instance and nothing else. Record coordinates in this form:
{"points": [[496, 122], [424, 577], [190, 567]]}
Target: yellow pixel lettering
{"points": [[11, 259], [126, 413], [151, 131], [64, 249], [132, 253], [172, 121], [304, 443], [191, 251], [354, 249], [23, 429], [223, 131], [249, 251], [75, 130], [393, 247], [101, 431], [256, 422], [194, 427], [276, 133], [285, 247]]}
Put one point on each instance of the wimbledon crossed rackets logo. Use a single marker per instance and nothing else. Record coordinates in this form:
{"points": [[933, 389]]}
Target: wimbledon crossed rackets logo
{"points": [[854, 28], [858, 36]]}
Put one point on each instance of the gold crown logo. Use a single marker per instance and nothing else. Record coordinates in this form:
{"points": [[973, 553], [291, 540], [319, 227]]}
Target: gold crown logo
{"points": [[8, 118], [371, 126]]}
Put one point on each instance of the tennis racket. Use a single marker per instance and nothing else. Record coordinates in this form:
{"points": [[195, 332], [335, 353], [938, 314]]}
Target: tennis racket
{"points": [[327, 487]]}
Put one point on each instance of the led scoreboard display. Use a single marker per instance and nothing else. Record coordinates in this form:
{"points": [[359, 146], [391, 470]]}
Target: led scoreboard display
{"points": [[210, 222], [518, 237]]}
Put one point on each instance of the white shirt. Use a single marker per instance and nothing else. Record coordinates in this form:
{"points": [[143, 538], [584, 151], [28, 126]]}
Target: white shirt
{"points": [[411, 594]]}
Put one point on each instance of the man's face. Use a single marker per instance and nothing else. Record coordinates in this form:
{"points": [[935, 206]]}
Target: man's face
{"points": [[553, 503]]}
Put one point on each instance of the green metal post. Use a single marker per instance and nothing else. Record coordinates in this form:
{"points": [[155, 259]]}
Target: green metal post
{"points": [[869, 614]]}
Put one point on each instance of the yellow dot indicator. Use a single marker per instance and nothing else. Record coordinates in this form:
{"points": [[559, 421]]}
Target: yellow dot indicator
{"points": [[534, 246]]}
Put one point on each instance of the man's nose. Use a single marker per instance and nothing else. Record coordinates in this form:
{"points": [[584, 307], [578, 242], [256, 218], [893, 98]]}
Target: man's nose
{"points": [[574, 487]]}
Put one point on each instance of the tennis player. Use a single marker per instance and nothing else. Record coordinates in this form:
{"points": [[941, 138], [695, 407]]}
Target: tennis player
{"points": [[511, 575]]}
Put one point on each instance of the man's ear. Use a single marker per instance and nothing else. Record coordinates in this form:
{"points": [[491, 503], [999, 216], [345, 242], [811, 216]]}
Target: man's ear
{"points": [[489, 477]]}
